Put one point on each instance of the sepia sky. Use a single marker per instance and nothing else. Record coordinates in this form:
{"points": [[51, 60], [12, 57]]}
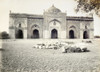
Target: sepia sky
{"points": [[38, 7]]}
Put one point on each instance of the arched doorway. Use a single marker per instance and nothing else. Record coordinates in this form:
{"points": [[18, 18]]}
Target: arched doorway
{"points": [[85, 35], [19, 34], [54, 34], [35, 33], [71, 34]]}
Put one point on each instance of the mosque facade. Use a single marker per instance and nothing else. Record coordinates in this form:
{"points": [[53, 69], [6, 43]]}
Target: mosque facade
{"points": [[53, 24]]}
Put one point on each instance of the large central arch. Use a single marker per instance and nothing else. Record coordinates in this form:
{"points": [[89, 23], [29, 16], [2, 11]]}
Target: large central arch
{"points": [[54, 34], [71, 34], [35, 34], [54, 29], [19, 34]]}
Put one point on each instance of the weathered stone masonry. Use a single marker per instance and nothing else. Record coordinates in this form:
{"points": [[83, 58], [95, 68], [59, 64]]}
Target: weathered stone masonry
{"points": [[52, 24]]}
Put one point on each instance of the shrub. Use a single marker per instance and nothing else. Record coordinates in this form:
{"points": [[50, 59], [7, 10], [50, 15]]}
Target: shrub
{"points": [[4, 35]]}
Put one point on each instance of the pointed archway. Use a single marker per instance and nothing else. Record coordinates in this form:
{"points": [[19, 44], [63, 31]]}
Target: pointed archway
{"points": [[54, 34], [85, 35], [35, 34], [71, 34], [19, 34]]}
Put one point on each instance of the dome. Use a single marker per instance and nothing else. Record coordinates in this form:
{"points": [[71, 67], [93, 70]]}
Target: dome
{"points": [[53, 9]]}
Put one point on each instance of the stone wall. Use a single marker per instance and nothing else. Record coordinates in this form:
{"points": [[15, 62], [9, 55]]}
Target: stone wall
{"points": [[75, 26], [45, 24], [14, 25], [48, 25], [35, 24]]}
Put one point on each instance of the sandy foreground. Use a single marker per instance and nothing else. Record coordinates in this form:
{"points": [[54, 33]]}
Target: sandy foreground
{"points": [[21, 56]]}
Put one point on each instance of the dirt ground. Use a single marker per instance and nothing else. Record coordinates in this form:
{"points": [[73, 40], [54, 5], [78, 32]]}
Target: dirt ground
{"points": [[21, 56]]}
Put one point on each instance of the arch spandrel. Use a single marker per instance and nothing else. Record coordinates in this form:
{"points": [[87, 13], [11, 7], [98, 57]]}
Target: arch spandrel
{"points": [[54, 24], [20, 25], [35, 26], [73, 27], [55, 21]]}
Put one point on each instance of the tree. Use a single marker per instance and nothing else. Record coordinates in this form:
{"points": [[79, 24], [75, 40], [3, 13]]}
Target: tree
{"points": [[4, 35], [88, 6]]}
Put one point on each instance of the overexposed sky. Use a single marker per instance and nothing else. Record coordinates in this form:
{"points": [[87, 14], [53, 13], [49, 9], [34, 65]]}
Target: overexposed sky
{"points": [[38, 7]]}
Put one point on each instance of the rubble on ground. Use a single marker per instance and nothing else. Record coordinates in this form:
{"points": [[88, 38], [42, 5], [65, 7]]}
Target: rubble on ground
{"points": [[67, 47]]}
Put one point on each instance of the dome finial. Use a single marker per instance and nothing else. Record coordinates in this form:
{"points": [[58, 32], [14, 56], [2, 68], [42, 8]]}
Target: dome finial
{"points": [[53, 9]]}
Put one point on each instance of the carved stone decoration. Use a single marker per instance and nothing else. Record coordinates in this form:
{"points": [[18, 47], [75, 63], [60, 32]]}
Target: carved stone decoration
{"points": [[52, 24]]}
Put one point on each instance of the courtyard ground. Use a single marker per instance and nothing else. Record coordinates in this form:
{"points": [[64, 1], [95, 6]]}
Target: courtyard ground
{"points": [[21, 56]]}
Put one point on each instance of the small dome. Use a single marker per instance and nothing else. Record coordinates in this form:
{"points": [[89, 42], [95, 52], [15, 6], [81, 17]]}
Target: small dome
{"points": [[53, 9]]}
